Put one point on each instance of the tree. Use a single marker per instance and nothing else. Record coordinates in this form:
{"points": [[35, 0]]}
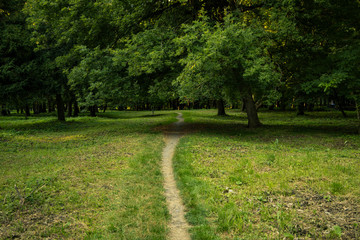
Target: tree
{"points": [[222, 58], [20, 67], [307, 33]]}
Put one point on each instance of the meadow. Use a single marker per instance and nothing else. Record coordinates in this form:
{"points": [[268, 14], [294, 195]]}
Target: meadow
{"points": [[294, 178], [87, 178], [100, 178]]}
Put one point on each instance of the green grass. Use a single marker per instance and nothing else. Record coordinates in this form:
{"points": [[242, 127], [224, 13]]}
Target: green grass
{"points": [[87, 178], [296, 177], [100, 178]]}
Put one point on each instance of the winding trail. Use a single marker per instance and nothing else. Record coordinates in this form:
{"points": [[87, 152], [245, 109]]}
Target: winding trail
{"points": [[178, 225]]}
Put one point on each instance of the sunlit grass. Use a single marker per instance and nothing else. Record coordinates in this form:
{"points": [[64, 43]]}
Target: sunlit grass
{"points": [[99, 178], [296, 177], [87, 178]]}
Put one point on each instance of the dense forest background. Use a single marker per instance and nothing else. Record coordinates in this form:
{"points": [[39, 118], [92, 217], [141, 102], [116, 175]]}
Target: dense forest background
{"points": [[73, 55]]}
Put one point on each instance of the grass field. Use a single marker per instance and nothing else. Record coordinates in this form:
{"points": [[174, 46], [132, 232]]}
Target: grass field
{"points": [[100, 178], [294, 178], [88, 178]]}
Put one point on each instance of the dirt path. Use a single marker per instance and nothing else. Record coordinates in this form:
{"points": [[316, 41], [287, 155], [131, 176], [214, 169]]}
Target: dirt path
{"points": [[178, 225]]}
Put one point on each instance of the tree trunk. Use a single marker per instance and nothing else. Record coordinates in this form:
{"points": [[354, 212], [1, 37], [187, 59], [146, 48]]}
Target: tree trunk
{"points": [[357, 104], [176, 104], [197, 105], [27, 110], [69, 108], [282, 106], [4, 111], [92, 111], [50, 104], [310, 107], [342, 109], [340, 105], [36, 108], [43, 107], [243, 106], [60, 108], [258, 105], [220, 107], [76, 109], [301, 108], [253, 119]]}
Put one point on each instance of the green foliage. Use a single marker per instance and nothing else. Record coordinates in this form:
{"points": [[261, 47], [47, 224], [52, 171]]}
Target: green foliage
{"points": [[121, 53], [224, 59], [344, 71]]}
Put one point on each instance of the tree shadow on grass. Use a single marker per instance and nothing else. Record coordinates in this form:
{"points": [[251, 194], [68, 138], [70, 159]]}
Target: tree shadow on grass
{"points": [[230, 128], [297, 136], [43, 124], [276, 122], [132, 116]]}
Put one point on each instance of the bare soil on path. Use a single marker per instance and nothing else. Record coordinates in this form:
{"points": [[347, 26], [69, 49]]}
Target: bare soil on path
{"points": [[178, 225]]}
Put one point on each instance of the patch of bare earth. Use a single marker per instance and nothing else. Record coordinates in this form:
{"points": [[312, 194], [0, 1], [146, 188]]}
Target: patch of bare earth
{"points": [[34, 224], [316, 215]]}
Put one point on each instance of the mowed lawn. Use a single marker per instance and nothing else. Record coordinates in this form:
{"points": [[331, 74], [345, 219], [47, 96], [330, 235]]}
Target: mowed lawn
{"points": [[87, 178], [293, 178]]}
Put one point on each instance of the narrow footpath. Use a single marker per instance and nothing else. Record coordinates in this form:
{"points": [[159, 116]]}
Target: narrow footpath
{"points": [[178, 225]]}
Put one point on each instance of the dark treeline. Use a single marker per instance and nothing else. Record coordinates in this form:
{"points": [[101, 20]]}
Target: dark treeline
{"points": [[78, 55]]}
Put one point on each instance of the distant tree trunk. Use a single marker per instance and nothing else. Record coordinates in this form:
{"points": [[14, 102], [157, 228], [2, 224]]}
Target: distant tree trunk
{"points": [[220, 107], [176, 104], [76, 109], [43, 107], [36, 108], [4, 111], [282, 103], [357, 104], [50, 105], [340, 104], [92, 111], [300, 110], [341, 108], [70, 107], [253, 119], [243, 106], [282, 106], [310, 107], [27, 110], [197, 105], [105, 107], [60, 108], [191, 105]]}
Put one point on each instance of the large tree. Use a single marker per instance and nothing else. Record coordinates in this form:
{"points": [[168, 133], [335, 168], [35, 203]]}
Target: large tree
{"points": [[227, 57]]}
